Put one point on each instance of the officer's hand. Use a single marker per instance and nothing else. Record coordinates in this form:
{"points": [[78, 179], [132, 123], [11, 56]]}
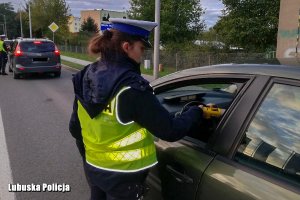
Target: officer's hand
{"points": [[210, 110]]}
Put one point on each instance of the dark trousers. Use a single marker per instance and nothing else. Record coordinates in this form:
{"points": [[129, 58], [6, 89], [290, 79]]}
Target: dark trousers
{"points": [[3, 61], [108, 185]]}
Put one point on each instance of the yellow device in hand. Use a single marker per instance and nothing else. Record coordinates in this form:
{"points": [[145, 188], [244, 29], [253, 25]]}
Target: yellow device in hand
{"points": [[211, 110]]}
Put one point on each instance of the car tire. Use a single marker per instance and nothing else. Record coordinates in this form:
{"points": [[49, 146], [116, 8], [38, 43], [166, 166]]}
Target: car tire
{"points": [[16, 76], [57, 74]]}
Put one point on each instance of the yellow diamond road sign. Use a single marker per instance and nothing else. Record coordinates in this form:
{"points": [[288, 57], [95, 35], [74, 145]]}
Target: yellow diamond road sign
{"points": [[53, 27]]}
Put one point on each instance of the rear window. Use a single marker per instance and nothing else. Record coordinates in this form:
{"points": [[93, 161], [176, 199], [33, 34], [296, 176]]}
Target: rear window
{"points": [[37, 46]]}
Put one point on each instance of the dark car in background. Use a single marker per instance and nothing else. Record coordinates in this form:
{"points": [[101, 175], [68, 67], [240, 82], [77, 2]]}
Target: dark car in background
{"points": [[252, 152], [34, 56]]}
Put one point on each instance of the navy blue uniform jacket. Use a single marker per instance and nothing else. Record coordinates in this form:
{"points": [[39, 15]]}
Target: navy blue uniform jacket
{"points": [[99, 82]]}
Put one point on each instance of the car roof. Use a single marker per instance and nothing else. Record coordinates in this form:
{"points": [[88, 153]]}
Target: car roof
{"points": [[283, 71], [33, 39]]}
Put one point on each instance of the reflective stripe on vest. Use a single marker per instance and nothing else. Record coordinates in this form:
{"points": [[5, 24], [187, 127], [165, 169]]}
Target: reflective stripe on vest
{"points": [[113, 145], [2, 46]]}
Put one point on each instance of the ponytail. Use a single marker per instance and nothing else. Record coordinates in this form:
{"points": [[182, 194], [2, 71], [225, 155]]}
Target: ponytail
{"points": [[98, 43], [109, 43]]}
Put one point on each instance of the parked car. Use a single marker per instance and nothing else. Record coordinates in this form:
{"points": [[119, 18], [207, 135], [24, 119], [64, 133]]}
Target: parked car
{"points": [[34, 56], [251, 152]]}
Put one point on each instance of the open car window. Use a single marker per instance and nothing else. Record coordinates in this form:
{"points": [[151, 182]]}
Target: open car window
{"points": [[220, 92]]}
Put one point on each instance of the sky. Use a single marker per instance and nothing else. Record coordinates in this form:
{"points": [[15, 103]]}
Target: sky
{"points": [[213, 7]]}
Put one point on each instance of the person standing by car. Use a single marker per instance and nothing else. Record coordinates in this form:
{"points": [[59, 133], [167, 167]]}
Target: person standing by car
{"points": [[3, 55], [115, 114]]}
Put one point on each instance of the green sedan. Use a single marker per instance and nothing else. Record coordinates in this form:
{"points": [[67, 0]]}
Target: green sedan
{"points": [[251, 152]]}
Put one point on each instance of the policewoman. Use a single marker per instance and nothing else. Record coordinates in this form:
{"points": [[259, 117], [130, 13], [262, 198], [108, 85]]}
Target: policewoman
{"points": [[115, 114]]}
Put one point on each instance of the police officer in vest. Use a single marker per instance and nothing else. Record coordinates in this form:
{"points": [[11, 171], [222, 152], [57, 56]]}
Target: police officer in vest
{"points": [[3, 55], [115, 114]]}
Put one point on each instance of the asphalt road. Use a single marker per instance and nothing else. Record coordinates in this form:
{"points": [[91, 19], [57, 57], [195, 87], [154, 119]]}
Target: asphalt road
{"points": [[35, 114], [36, 147]]}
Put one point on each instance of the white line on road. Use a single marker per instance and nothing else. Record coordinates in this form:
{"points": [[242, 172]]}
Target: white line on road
{"points": [[5, 170]]}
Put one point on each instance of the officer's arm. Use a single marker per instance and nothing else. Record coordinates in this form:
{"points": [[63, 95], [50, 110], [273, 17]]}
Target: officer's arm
{"points": [[74, 124], [5, 47], [144, 108]]}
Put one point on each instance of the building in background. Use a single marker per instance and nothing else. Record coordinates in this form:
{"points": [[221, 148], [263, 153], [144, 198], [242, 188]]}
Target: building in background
{"points": [[101, 17], [288, 41], [74, 24]]}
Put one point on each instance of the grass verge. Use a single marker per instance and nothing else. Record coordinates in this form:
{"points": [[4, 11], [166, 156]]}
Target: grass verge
{"points": [[166, 70], [81, 56], [71, 64]]}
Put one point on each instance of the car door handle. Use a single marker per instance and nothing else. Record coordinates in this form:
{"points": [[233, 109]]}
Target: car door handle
{"points": [[180, 177]]}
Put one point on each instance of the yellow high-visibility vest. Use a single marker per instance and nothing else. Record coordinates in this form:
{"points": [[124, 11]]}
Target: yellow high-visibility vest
{"points": [[113, 145], [2, 46]]}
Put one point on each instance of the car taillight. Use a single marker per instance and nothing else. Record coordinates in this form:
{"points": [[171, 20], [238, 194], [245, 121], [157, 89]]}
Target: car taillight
{"points": [[37, 42], [18, 51], [56, 51]]}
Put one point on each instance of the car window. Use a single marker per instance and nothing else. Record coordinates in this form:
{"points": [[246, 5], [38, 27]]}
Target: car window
{"points": [[37, 47], [218, 92], [272, 141]]}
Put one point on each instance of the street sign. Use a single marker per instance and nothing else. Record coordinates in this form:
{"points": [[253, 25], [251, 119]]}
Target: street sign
{"points": [[53, 27]]}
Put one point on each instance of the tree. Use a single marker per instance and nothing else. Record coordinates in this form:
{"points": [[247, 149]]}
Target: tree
{"points": [[12, 22], [89, 25], [180, 19], [44, 12], [250, 24]]}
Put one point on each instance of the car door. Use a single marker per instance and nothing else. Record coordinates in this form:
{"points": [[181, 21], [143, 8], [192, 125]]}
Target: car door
{"points": [[182, 163], [263, 158]]}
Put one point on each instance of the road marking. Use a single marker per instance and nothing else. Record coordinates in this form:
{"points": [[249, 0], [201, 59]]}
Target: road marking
{"points": [[5, 170]]}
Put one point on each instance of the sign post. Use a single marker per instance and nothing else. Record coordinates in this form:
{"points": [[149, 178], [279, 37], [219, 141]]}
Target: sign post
{"points": [[53, 27]]}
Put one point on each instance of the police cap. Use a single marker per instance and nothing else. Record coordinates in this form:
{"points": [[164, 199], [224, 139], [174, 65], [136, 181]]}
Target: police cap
{"points": [[134, 27]]}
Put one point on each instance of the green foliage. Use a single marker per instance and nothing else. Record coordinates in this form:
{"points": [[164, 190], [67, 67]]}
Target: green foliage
{"points": [[89, 25], [79, 39], [142, 10], [43, 13], [250, 24], [12, 21], [180, 19]]}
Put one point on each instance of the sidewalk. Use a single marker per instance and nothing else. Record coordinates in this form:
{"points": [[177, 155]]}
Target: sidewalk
{"points": [[84, 63]]}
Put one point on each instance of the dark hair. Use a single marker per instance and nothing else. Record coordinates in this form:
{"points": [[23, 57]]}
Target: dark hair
{"points": [[108, 44]]}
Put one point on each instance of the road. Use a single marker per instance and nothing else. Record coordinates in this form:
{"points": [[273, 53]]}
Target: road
{"points": [[35, 114], [34, 117]]}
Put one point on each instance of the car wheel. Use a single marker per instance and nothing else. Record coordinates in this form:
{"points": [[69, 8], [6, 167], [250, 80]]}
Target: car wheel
{"points": [[16, 76], [57, 74]]}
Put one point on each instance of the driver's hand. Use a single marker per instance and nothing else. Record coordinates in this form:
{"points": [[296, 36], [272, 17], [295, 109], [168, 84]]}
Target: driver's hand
{"points": [[210, 110]]}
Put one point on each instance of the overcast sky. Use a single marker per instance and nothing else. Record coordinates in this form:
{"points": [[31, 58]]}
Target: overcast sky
{"points": [[213, 7]]}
